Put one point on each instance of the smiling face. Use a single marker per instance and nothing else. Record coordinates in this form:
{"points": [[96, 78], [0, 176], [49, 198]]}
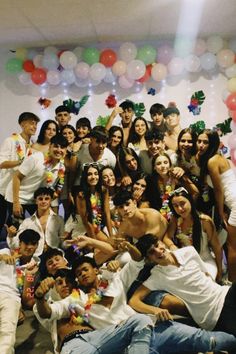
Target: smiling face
{"points": [[57, 152], [97, 146], [63, 118], [63, 286], [27, 249], [43, 202], [82, 131], [92, 176], [69, 135], [186, 143], [140, 185], [54, 263], [158, 119], [108, 177], [155, 146], [157, 253], [50, 131], [86, 274], [116, 139], [131, 162], [181, 206], [162, 165], [202, 143], [126, 116], [29, 126], [172, 120], [140, 127]]}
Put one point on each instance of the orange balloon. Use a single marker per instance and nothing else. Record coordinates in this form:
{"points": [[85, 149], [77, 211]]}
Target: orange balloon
{"points": [[39, 76], [28, 66], [108, 57]]}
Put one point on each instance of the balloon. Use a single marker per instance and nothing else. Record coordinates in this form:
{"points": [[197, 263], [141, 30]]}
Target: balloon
{"points": [[182, 47], [233, 126], [90, 56], [21, 53], [231, 71], [225, 58], [125, 82], [147, 74], [233, 116], [231, 102], [67, 77], [214, 44], [78, 52], [164, 54], [28, 66], [68, 60], [50, 50], [82, 70], [50, 61], [53, 77], [232, 141], [232, 44], [24, 78], [135, 69], [225, 94], [108, 57], [119, 68], [208, 61], [81, 82], [159, 72], [14, 65], [176, 66], [200, 47], [97, 72], [233, 156], [147, 54], [109, 77], [192, 63], [38, 59], [231, 84], [38, 76], [31, 54], [127, 52]]}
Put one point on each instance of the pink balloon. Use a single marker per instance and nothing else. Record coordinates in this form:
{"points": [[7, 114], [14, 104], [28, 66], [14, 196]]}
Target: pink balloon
{"points": [[164, 54], [231, 101], [124, 82], [119, 68], [82, 70], [225, 58], [200, 47], [232, 142], [176, 66], [233, 126], [233, 115], [233, 156]]}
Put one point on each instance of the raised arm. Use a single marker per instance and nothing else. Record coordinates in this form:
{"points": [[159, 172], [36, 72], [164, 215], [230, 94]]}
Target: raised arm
{"points": [[43, 307], [17, 208], [170, 233], [114, 113]]}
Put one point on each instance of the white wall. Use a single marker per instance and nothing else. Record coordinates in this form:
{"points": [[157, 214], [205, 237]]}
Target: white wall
{"points": [[16, 98]]}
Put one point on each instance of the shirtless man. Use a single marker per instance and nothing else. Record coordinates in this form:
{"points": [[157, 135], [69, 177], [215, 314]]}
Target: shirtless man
{"points": [[137, 222], [172, 119]]}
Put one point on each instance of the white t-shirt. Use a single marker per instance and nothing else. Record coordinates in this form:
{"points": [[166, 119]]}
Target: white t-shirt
{"points": [[8, 278], [202, 296]]}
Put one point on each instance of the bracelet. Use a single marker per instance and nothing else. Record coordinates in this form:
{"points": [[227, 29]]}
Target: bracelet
{"points": [[29, 278], [38, 297]]}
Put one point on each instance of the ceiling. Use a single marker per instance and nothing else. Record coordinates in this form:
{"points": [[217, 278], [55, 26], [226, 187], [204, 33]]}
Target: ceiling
{"points": [[38, 23]]}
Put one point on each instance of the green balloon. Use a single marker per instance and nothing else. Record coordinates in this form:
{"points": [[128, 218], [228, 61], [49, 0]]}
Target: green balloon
{"points": [[90, 56], [147, 54], [14, 65]]}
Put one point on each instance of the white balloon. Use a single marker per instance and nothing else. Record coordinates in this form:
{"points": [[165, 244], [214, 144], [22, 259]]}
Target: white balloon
{"points": [[25, 78], [78, 52], [214, 44], [109, 77], [225, 95], [81, 82], [67, 77], [125, 82], [82, 70], [192, 63], [176, 66], [97, 72], [231, 71], [232, 44], [50, 50], [135, 69], [68, 60], [208, 61], [200, 47], [38, 59], [233, 127], [53, 77], [50, 61], [159, 72], [128, 51]]}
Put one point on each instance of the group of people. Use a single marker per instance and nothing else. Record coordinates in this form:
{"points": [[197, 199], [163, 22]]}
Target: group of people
{"points": [[137, 242]]}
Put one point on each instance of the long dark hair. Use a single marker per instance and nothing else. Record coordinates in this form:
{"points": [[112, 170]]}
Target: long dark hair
{"points": [[86, 189], [133, 136], [43, 128], [213, 147], [122, 162], [194, 140], [197, 227]]}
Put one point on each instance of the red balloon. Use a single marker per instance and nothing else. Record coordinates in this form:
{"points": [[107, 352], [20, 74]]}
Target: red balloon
{"points": [[108, 57], [233, 156], [233, 115], [39, 76], [147, 74], [231, 101], [28, 66]]}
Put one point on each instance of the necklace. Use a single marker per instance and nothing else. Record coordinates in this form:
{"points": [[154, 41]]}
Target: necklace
{"points": [[57, 184], [165, 190], [93, 298], [19, 151], [184, 238], [96, 206]]}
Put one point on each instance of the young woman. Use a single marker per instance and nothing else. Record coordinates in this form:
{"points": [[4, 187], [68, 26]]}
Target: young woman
{"points": [[115, 140], [223, 180], [136, 139], [48, 130], [129, 166], [163, 181], [92, 203], [139, 189], [187, 227], [186, 152]]}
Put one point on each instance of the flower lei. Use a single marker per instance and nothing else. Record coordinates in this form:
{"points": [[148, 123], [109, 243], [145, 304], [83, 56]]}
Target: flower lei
{"points": [[93, 298], [96, 206], [50, 182], [165, 194], [184, 238], [19, 151]]}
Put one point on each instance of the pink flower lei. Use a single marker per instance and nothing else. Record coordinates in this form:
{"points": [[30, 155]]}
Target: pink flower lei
{"points": [[50, 182], [19, 150]]}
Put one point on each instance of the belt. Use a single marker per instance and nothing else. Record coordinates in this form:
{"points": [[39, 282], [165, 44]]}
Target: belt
{"points": [[74, 334]]}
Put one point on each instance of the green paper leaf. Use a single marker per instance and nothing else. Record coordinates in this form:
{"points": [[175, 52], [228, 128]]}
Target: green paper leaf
{"points": [[200, 96], [225, 126], [198, 126], [83, 100], [102, 121], [139, 109]]}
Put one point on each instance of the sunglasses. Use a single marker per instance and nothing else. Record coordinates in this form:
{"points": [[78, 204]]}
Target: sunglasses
{"points": [[178, 191]]}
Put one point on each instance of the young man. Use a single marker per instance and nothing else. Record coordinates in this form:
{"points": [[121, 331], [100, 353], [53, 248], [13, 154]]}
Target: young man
{"points": [[183, 274], [48, 224], [156, 113], [172, 119], [115, 328], [156, 145], [126, 112], [13, 271], [35, 171], [12, 153], [94, 152], [62, 116]]}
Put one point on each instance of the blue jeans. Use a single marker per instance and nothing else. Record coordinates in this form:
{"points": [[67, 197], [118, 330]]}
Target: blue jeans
{"points": [[134, 333], [175, 337]]}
